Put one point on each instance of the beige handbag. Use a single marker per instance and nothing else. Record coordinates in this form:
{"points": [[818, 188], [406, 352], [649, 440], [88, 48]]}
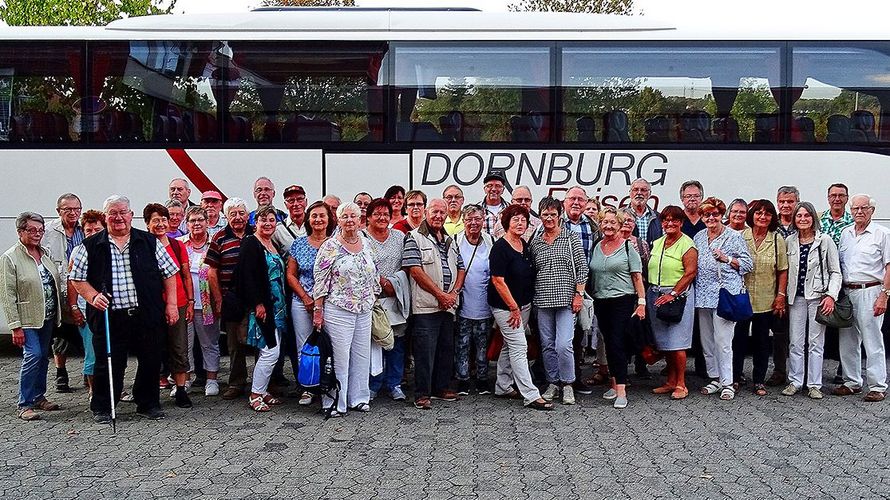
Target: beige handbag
{"points": [[381, 330]]}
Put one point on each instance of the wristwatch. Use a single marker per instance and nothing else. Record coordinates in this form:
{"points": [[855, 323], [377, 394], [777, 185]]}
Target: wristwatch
{"points": [[674, 293], [885, 291]]}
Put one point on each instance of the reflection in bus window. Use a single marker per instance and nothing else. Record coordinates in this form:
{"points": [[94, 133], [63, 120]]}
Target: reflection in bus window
{"points": [[156, 91], [472, 93], [839, 93], [307, 92], [41, 87], [680, 94]]}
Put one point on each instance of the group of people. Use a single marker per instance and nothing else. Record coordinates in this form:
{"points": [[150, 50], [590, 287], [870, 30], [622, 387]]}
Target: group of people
{"points": [[458, 284]]}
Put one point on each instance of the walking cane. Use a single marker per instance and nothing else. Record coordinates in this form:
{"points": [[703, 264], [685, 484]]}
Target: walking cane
{"points": [[110, 375]]}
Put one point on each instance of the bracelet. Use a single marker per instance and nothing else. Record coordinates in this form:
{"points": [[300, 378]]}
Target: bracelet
{"points": [[190, 300], [783, 294], [641, 301], [95, 297]]}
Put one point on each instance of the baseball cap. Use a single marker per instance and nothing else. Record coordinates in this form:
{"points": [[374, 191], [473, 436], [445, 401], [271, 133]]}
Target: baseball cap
{"points": [[211, 195], [294, 189], [495, 176]]}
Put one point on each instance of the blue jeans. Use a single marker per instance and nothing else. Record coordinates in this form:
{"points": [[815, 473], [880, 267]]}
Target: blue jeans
{"points": [[35, 361], [89, 354], [556, 326], [475, 332], [393, 367]]}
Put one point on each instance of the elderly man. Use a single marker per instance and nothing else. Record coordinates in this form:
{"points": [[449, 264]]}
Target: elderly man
{"points": [[180, 191], [264, 194], [691, 195], [454, 197], [648, 222], [493, 203], [522, 195], [865, 265], [435, 290], [292, 227], [128, 272], [575, 220], [222, 258], [836, 218], [62, 235], [786, 199], [212, 202]]}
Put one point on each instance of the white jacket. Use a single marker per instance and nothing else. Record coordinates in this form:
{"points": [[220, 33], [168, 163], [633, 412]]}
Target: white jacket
{"points": [[823, 268]]}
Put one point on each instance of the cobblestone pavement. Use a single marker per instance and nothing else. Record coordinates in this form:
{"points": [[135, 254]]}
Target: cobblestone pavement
{"points": [[479, 447]]}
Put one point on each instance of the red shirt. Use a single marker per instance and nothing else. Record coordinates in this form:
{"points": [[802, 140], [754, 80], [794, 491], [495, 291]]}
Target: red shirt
{"points": [[180, 260], [403, 226]]}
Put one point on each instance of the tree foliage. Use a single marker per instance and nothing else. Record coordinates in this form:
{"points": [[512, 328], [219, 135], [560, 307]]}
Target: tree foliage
{"points": [[78, 13], [624, 7], [308, 3]]}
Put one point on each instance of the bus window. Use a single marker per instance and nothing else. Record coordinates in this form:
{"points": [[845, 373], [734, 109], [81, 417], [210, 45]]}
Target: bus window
{"points": [[839, 92], [308, 91], [41, 90], [461, 93], [155, 91], [679, 94]]}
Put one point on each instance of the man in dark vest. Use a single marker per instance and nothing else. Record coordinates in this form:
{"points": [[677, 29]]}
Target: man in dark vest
{"points": [[129, 272]]}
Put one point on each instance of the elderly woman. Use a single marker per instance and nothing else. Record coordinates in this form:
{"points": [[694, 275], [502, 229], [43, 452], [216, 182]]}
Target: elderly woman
{"points": [[560, 276], [260, 275], [176, 214], [92, 222], [627, 228], [672, 269], [723, 260], [395, 195], [156, 218], [32, 304], [320, 225], [387, 246], [204, 324], [737, 214], [618, 294], [766, 285], [346, 286], [814, 282], [510, 297], [474, 315]]}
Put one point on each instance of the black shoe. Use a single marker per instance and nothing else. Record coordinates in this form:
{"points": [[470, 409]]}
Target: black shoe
{"points": [[182, 398], [199, 382], [482, 387], [62, 380], [102, 418], [582, 388], [151, 414], [463, 387], [838, 380]]}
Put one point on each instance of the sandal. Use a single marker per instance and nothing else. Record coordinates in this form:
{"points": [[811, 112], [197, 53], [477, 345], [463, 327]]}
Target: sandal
{"points": [[362, 407], [713, 387], [541, 404], [27, 414], [257, 404], [680, 393], [271, 400], [664, 389], [760, 390], [727, 394], [45, 405]]}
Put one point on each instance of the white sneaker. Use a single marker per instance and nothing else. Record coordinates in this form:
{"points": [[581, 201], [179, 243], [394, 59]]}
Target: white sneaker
{"points": [[814, 393], [397, 393], [789, 390], [211, 388], [568, 395], [305, 399], [551, 392]]}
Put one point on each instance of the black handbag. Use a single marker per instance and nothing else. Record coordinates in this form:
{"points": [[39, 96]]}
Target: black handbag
{"points": [[233, 309], [842, 315], [670, 312]]}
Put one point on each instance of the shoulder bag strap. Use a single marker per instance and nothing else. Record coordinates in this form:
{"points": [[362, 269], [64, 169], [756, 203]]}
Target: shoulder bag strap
{"points": [[821, 269]]}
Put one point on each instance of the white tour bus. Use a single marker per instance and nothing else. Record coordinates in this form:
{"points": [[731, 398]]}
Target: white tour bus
{"points": [[345, 100]]}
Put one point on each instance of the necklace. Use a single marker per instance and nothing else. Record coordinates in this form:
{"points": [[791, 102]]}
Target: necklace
{"points": [[351, 242]]}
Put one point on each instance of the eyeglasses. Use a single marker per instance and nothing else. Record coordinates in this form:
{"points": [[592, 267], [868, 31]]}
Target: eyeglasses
{"points": [[860, 209], [454, 197], [522, 200], [199, 219], [121, 214], [415, 205], [711, 215], [380, 215], [549, 216], [263, 190], [837, 196], [70, 210], [691, 196], [35, 230], [298, 199]]}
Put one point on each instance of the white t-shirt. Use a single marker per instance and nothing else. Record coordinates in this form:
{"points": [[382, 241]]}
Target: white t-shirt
{"points": [[474, 296]]}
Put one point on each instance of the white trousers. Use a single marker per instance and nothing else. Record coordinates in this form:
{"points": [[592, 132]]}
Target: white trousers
{"points": [[513, 360], [302, 324], [208, 337], [350, 335], [802, 316], [716, 343], [866, 331], [265, 363]]}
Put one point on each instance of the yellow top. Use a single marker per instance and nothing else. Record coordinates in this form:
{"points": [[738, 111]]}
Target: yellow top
{"points": [[670, 259], [762, 282]]}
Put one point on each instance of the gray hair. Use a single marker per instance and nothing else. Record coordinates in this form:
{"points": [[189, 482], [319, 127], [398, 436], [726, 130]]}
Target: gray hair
{"points": [[196, 209], [115, 199], [737, 201], [871, 201], [21, 222], [576, 186], [263, 179], [348, 207], [517, 188], [471, 209], [789, 190], [810, 210], [452, 186], [640, 180], [692, 183], [173, 204], [234, 202], [332, 197], [67, 196]]}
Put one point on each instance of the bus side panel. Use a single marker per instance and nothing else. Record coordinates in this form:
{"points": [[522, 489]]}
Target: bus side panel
{"points": [[348, 174]]}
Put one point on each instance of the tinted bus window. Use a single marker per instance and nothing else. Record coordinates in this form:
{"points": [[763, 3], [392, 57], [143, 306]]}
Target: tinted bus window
{"points": [[840, 93], [41, 90], [472, 93], [156, 91], [307, 92], [679, 94]]}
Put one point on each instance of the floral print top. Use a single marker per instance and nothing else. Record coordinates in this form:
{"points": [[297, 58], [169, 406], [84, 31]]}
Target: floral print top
{"points": [[713, 275], [348, 280]]}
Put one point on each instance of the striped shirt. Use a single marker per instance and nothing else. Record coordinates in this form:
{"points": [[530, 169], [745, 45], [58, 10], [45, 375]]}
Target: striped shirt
{"points": [[225, 248], [586, 229], [411, 257]]}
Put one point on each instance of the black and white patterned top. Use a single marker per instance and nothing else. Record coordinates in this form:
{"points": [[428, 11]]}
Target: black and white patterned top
{"points": [[802, 273], [559, 266]]}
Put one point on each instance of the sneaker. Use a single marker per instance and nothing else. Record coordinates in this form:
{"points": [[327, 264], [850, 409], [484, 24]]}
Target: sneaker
{"points": [[463, 387], [581, 388], [211, 388], [163, 383], [446, 395], [102, 418], [126, 397], [151, 414], [62, 380], [188, 387], [568, 395], [610, 395], [397, 394], [815, 393], [305, 399], [620, 403], [551, 392], [182, 398], [482, 387], [789, 390]]}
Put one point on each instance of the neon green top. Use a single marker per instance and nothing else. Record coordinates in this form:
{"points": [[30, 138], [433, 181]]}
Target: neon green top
{"points": [[670, 259]]}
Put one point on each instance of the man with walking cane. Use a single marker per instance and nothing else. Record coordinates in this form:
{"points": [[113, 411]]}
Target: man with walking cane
{"points": [[128, 272]]}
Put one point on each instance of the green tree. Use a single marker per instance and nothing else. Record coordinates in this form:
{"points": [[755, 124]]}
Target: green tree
{"points": [[624, 7], [78, 13], [308, 3]]}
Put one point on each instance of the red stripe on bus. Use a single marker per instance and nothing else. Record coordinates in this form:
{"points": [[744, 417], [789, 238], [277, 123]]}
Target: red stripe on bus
{"points": [[193, 172]]}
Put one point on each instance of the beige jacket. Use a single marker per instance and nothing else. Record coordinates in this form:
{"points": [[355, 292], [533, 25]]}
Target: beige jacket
{"points": [[21, 290], [423, 302]]}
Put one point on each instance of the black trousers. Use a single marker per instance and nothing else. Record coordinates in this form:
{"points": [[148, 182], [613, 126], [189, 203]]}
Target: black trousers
{"points": [[759, 345], [613, 316], [129, 333]]}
